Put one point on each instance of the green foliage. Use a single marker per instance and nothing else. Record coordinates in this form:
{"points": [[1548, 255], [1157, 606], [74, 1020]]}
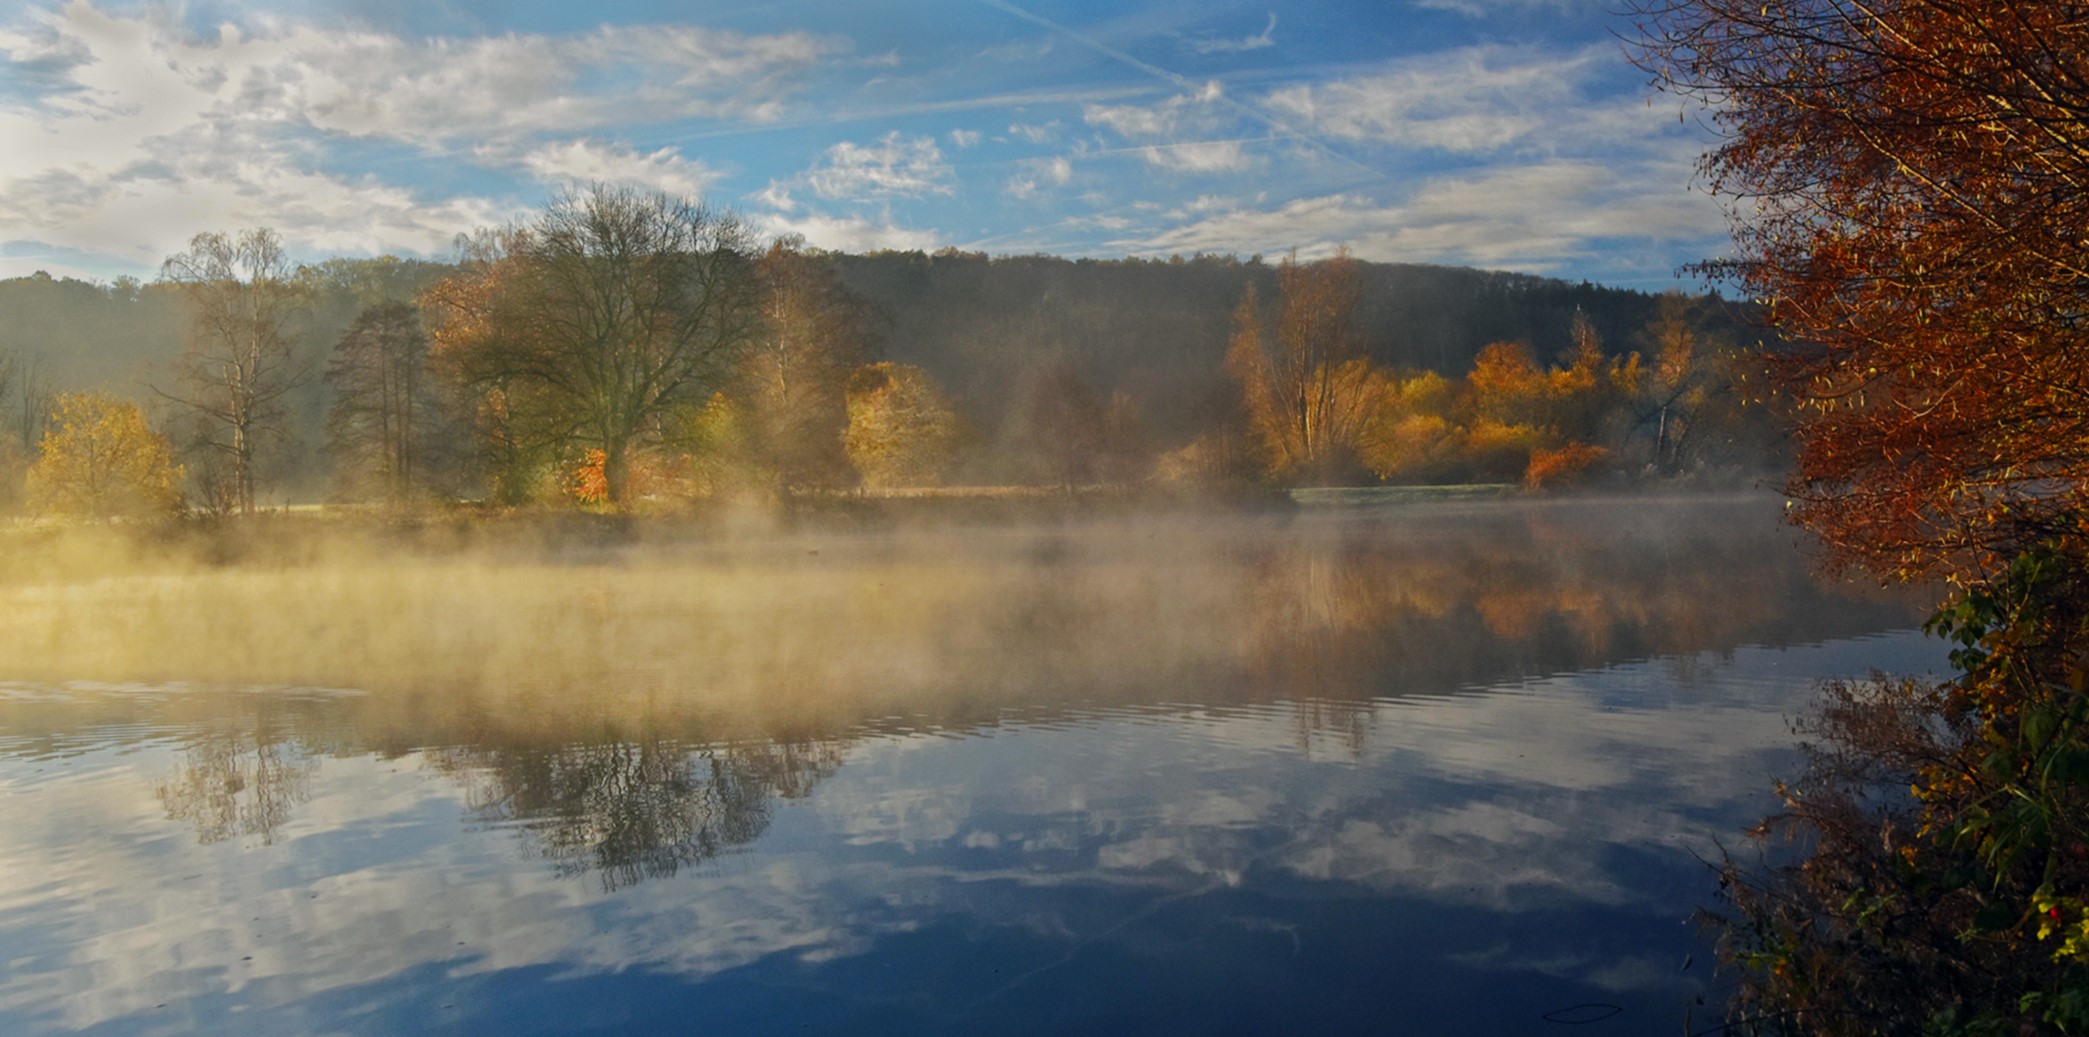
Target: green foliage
{"points": [[1956, 906]]}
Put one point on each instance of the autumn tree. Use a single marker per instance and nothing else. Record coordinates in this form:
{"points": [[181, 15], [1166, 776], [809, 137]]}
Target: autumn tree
{"points": [[1906, 192], [241, 359], [1692, 407], [1585, 400], [101, 460], [1906, 187], [1306, 385], [1506, 391], [814, 333], [386, 420], [514, 430], [902, 429], [1412, 438], [595, 323]]}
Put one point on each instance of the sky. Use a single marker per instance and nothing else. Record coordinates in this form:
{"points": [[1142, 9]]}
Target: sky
{"points": [[1503, 134]]}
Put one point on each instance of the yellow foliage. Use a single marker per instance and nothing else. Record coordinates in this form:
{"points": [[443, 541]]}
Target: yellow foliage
{"points": [[1497, 449], [101, 460], [902, 431], [1411, 444]]}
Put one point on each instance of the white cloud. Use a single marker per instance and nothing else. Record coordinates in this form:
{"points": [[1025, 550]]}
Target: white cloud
{"points": [[962, 139], [1211, 156], [222, 178], [1483, 8], [138, 132], [1472, 100], [370, 84], [1175, 134], [849, 233], [585, 161], [1182, 113], [1036, 174], [1041, 133], [1265, 38], [776, 196], [1534, 218], [896, 166]]}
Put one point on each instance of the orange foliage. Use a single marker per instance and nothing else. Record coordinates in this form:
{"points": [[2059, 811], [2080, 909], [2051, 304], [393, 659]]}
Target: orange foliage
{"points": [[1568, 464], [650, 475], [590, 481], [1309, 392], [1506, 382], [1907, 188], [1495, 450]]}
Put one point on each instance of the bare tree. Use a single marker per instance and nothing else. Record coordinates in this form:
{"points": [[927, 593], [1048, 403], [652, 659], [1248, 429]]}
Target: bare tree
{"points": [[1060, 427], [606, 315], [240, 361], [383, 423], [815, 333], [27, 398]]}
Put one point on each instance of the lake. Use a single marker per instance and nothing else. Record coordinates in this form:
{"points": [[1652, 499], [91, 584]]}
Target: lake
{"points": [[1438, 768]]}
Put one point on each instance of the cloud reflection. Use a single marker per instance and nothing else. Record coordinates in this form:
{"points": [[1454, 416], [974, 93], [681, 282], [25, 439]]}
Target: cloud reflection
{"points": [[1062, 765]]}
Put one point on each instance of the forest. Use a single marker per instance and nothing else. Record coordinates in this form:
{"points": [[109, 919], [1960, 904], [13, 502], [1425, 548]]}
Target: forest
{"points": [[622, 350]]}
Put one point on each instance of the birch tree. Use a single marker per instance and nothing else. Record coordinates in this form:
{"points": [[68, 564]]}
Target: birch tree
{"points": [[241, 359]]}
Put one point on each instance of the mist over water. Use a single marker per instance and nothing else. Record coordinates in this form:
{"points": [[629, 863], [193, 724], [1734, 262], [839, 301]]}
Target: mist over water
{"points": [[1436, 766]]}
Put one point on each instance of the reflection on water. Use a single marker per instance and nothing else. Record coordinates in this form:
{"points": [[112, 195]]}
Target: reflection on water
{"points": [[1438, 768], [237, 781], [634, 810]]}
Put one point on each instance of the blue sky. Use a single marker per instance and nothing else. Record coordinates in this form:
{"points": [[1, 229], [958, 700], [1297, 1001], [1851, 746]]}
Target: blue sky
{"points": [[1507, 134]]}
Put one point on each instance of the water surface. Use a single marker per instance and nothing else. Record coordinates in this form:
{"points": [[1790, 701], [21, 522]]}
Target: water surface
{"points": [[1441, 768]]}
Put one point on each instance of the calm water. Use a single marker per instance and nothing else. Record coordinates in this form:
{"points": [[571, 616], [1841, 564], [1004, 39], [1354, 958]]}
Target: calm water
{"points": [[1439, 769]]}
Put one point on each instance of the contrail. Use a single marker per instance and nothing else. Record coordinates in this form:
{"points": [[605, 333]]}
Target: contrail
{"points": [[1181, 82]]}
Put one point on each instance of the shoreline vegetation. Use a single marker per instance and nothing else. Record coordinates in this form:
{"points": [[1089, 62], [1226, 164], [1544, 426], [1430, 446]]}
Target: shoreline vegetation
{"points": [[1929, 873], [291, 534]]}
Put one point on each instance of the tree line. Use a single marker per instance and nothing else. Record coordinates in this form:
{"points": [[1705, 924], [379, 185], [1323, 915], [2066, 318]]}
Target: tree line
{"points": [[621, 346]]}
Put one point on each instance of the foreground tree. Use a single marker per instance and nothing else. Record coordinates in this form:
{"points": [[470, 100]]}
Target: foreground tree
{"points": [[1908, 184], [1908, 201], [241, 360], [101, 460], [596, 323]]}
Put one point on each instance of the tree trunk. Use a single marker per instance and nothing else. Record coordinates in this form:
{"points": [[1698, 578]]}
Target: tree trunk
{"points": [[616, 473]]}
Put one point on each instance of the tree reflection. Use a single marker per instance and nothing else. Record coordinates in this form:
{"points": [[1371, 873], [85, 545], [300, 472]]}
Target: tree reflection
{"points": [[238, 782], [1382, 610], [636, 810], [624, 808]]}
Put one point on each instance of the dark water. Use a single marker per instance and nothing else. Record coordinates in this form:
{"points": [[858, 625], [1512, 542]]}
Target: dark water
{"points": [[1442, 769]]}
